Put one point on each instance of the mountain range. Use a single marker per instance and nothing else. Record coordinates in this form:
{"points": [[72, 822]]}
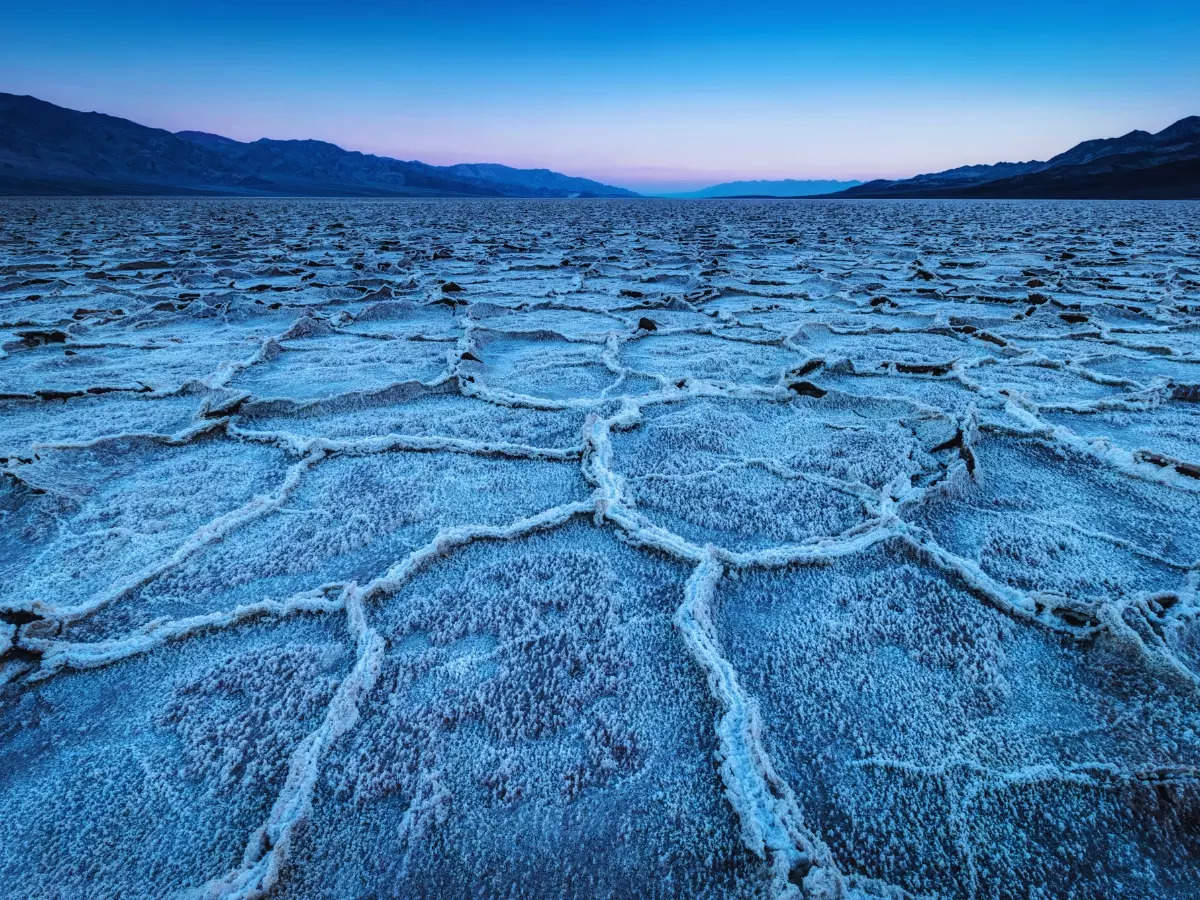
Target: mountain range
{"points": [[1136, 165], [47, 149], [788, 187]]}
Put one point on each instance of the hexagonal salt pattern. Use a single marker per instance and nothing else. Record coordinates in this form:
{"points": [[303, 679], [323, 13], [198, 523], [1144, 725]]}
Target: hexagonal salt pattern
{"points": [[610, 548]]}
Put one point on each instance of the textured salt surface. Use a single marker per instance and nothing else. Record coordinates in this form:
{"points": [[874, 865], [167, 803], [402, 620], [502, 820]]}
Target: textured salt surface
{"points": [[577, 549]]}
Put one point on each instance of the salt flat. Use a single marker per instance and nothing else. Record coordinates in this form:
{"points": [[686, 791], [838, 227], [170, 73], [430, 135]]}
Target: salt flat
{"points": [[554, 548]]}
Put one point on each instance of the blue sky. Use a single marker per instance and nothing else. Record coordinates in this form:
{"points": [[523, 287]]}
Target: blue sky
{"points": [[649, 95]]}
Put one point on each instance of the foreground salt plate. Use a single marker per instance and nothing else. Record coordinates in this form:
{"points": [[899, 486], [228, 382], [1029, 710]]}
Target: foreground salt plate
{"points": [[613, 548]]}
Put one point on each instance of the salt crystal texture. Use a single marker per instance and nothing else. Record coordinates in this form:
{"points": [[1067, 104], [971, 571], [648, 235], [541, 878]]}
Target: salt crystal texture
{"points": [[478, 548]]}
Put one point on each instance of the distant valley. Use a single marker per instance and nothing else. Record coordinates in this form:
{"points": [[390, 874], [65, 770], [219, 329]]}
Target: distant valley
{"points": [[788, 187]]}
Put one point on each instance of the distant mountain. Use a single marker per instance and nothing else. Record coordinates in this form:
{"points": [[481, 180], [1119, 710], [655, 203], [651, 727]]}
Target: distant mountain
{"points": [[1138, 164], [788, 187], [46, 149], [534, 182]]}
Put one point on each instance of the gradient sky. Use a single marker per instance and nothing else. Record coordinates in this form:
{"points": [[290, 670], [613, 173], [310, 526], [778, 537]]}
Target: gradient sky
{"points": [[649, 95]]}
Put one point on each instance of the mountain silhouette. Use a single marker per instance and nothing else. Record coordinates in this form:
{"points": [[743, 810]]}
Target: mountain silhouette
{"points": [[47, 149], [1139, 164]]}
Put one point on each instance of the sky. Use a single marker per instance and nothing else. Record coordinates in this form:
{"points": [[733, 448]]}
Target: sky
{"points": [[655, 96]]}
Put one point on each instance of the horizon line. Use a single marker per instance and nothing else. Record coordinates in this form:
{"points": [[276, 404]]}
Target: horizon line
{"points": [[682, 184]]}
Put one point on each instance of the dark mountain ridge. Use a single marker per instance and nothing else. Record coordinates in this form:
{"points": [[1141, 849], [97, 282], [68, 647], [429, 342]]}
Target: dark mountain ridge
{"points": [[1139, 164], [48, 149]]}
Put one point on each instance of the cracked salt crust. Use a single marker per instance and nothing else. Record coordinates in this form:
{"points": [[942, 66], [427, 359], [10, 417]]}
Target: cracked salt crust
{"points": [[715, 549]]}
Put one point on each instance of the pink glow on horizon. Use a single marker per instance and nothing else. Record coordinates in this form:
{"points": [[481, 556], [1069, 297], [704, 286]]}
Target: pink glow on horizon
{"points": [[671, 146]]}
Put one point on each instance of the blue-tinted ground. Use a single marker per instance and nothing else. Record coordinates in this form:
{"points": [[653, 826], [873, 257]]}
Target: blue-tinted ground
{"points": [[599, 548]]}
